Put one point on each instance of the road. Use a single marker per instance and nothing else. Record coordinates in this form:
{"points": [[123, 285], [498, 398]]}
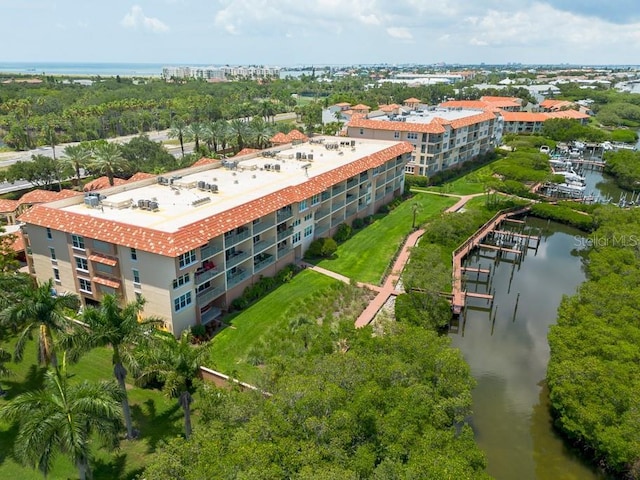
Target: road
{"points": [[9, 158]]}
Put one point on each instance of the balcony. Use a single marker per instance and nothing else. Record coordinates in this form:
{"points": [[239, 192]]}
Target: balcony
{"points": [[236, 237], [351, 198], [209, 251], [351, 211], [335, 221], [235, 278], [337, 189], [285, 234], [352, 182], [203, 276], [262, 261], [263, 245], [208, 295], [337, 205], [262, 226], [282, 251], [325, 196], [364, 176], [320, 229], [237, 257], [283, 215], [321, 213]]}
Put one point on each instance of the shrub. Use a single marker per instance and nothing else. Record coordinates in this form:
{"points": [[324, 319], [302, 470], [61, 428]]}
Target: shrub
{"points": [[322, 248], [357, 223], [343, 233]]}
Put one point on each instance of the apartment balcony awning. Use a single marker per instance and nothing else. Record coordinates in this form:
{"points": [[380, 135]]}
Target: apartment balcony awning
{"points": [[106, 282], [94, 257]]}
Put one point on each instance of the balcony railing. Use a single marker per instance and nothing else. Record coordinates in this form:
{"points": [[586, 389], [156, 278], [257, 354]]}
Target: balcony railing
{"points": [[262, 226], [235, 278], [285, 233], [236, 237], [263, 263], [337, 205], [284, 215], [337, 190], [209, 251], [320, 229], [351, 198], [351, 211], [263, 244], [203, 277], [323, 212], [325, 196], [206, 296], [352, 182], [282, 251], [335, 221], [237, 258]]}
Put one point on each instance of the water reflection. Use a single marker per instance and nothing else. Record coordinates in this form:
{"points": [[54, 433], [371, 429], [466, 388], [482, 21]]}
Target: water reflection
{"points": [[508, 352]]}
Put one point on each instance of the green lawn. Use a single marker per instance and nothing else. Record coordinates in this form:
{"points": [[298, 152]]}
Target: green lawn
{"points": [[230, 347], [366, 256], [154, 415], [472, 182]]}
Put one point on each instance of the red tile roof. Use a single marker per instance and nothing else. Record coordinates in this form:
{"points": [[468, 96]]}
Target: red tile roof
{"points": [[412, 100], [279, 138], [197, 234], [523, 116], [502, 101], [18, 242], [343, 104], [102, 182], [96, 257], [296, 135], [551, 104], [361, 106], [573, 114], [108, 283], [245, 151], [7, 206], [204, 161], [140, 176], [44, 196]]}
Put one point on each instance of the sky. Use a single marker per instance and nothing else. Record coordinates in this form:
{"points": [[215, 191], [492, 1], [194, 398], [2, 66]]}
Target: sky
{"points": [[303, 32]]}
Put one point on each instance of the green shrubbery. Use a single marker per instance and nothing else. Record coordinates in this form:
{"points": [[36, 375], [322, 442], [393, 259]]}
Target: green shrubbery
{"points": [[322, 248], [564, 214]]}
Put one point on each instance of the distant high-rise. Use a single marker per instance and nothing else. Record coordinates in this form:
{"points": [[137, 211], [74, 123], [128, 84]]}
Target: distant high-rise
{"points": [[221, 73]]}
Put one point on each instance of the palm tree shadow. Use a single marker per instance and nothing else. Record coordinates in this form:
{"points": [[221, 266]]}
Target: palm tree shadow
{"points": [[155, 428], [32, 381], [115, 467], [7, 440]]}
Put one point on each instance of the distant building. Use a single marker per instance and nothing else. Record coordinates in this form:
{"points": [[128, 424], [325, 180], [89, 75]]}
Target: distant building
{"points": [[221, 73]]}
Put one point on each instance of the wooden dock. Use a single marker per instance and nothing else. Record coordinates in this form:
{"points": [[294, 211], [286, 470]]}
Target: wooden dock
{"points": [[458, 295], [475, 270]]}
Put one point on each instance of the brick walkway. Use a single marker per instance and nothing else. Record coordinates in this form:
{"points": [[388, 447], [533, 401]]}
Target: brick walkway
{"points": [[389, 288]]}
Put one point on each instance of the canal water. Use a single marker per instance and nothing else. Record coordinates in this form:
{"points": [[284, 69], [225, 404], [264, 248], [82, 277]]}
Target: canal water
{"points": [[508, 351]]}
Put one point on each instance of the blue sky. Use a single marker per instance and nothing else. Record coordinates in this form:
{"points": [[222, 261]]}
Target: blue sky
{"points": [[293, 32]]}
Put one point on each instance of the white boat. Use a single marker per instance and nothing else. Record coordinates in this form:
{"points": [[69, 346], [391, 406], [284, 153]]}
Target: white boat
{"points": [[545, 149], [573, 178]]}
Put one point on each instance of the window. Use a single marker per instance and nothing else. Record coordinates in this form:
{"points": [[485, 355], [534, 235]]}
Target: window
{"points": [[296, 237], [256, 239], [182, 301], [362, 131], [308, 231], [102, 246], [412, 136], [85, 285], [56, 274], [308, 217], [181, 280], [396, 135], [102, 268], [187, 259], [302, 205], [134, 254], [315, 199], [49, 235], [136, 276], [52, 253], [296, 222], [256, 221], [82, 264], [77, 241]]}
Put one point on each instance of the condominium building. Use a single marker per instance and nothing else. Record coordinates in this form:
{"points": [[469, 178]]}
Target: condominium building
{"points": [[221, 73], [441, 137], [191, 241]]}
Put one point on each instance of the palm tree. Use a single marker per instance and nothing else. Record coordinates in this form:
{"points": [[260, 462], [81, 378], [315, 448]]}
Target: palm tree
{"points": [[194, 133], [260, 132], [39, 308], [176, 363], [108, 160], [50, 136], [216, 134], [239, 130], [178, 130], [77, 156], [62, 418], [117, 327]]}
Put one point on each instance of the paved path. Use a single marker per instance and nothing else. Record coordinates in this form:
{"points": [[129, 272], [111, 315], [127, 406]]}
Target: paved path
{"points": [[390, 286]]}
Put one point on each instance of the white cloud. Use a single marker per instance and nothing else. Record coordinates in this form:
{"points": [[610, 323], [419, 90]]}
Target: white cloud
{"points": [[399, 33], [136, 18]]}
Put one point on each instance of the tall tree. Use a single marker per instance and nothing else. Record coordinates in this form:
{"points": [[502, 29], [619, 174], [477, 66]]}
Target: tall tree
{"points": [[62, 418], [194, 133], [39, 309], [40, 171], [178, 130], [119, 328], [176, 363], [108, 160], [239, 131], [4, 371], [77, 156], [260, 132]]}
